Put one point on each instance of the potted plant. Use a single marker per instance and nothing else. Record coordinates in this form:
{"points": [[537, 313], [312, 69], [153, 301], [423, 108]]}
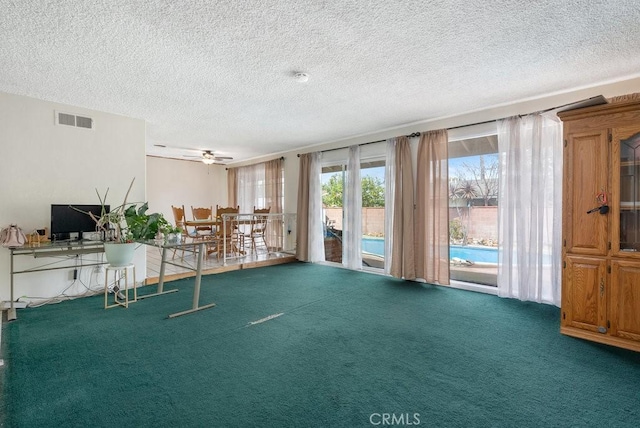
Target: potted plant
{"points": [[173, 234], [125, 226]]}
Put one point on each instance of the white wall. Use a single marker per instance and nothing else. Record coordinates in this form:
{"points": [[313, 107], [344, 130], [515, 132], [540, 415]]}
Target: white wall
{"points": [[43, 164], [180, 182]]}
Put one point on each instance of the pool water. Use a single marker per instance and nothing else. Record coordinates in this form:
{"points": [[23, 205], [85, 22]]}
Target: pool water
{"points": [[373, 246], [474, 254]]}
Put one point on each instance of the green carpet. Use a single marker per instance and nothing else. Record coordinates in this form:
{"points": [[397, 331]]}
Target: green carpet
{"points": [[349, 348]]}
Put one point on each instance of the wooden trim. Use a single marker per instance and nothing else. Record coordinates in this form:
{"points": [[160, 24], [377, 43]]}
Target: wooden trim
{"points": [[600, 338], [621, 107]]}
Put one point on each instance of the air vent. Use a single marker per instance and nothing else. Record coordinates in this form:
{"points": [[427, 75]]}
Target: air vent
{"points": [[84, 122], [73, 120], [66, 119]]}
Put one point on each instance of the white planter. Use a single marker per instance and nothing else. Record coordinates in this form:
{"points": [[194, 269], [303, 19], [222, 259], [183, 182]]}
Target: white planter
{"points": [[119, 254]]}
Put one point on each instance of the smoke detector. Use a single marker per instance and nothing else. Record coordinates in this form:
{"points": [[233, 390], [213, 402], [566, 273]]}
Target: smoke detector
{"points": [[301, 77]]}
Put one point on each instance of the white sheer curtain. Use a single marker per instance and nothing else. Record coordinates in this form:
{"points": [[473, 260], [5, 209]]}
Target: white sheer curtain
{"points": [[529, 216], [251, 187], [389, 198], [352, 228], [316, 228]]}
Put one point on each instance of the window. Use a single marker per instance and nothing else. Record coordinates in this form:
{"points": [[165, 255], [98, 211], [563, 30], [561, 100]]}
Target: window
{"points": [[261, 186]]}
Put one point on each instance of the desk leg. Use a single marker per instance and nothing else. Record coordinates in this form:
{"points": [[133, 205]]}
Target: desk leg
{"points": [[11, 314], [196, 290], [160, 279]]}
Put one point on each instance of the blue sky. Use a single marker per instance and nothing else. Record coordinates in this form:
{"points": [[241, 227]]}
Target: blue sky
{"points": [[455, 168]]}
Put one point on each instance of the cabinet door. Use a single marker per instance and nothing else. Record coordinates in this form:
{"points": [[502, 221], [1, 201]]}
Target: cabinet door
{"points": [[625, 201], [586, 161], [583, 293], [625, 299]]}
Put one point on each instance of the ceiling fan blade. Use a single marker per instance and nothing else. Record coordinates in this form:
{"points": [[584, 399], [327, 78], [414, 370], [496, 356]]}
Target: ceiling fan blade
{"points": [[203, 153]]}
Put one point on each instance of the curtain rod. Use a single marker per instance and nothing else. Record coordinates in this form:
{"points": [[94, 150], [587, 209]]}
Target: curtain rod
{"points": [[415, 134], [593, 101], [281, 158]]}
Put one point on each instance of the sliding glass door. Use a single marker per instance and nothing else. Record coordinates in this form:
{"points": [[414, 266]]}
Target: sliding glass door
{"points": [[373, 194]]}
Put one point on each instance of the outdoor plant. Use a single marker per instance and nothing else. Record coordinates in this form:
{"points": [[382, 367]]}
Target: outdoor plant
{"points": [[456, 230]]}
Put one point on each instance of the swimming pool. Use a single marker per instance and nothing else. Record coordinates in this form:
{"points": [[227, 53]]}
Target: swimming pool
{"points": [[474, 254], [373, 246]]}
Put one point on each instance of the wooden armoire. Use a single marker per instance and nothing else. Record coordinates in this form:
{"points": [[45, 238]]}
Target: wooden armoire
{"points": [[601, 223]]}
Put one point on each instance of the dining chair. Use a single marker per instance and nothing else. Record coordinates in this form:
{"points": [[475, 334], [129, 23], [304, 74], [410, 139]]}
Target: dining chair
{"points": [[230, 239], [259, 228], [204, 232], [179, 220]]}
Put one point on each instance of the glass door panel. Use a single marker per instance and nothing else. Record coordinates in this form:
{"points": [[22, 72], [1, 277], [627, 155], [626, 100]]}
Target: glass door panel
{"points": [[473, 210], [373, 194], [630, 194], [332, 206]]}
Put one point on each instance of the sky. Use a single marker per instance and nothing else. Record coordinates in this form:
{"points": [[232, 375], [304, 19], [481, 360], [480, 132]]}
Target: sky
{"points": [[455, 168]]}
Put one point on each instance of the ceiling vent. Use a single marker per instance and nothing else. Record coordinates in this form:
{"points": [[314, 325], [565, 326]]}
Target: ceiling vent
{"points": [[73, 120]]}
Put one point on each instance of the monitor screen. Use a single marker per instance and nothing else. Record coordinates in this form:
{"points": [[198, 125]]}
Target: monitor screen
{"points": [[67, 223]]}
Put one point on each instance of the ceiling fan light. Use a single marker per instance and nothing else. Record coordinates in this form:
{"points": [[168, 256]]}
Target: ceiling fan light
{"points": [[208, 161]]}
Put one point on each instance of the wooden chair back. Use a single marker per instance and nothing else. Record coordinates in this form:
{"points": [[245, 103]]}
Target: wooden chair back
{"points": [[259, 223], [230, 224], [202, 213], [179, 218]]}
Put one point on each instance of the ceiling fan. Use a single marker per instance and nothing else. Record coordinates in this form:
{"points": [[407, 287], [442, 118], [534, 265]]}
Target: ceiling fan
{"points": [[206, 156]]}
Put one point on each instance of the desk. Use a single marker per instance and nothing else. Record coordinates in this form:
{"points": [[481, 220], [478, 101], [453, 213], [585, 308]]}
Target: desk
{"points": [[166, 247], [53, 249], [75, 248]]}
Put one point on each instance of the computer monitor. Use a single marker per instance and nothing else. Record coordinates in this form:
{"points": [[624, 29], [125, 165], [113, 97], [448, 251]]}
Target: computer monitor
{"points": [[68, 223]]}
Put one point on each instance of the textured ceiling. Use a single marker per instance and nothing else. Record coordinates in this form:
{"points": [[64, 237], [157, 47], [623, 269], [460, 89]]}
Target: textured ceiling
{"points": [[219, 74]]}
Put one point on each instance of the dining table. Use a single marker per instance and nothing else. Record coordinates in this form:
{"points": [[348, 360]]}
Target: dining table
{"points": [[216, 223]]}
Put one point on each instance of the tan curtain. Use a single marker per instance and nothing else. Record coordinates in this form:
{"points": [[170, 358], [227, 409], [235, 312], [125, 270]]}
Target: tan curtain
{"points": [[232, 187], [402, 253], [273, 189], [302, 217], [273, 184], [432, 208]]}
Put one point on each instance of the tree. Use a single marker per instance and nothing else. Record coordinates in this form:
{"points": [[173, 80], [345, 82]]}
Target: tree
{"points": [[484, 176], [372, 191], [332, 191]]}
